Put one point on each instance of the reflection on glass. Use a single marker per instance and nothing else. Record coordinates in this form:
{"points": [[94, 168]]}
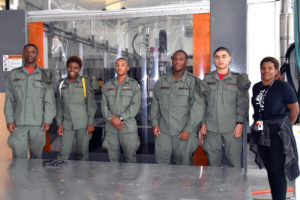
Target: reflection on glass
{"points": [[147, 43]]}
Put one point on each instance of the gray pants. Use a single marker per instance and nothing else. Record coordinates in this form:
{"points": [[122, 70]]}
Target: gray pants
{"points": [[24, 136], [82, 144], [213, 143], [182, 151], [129, 142]]}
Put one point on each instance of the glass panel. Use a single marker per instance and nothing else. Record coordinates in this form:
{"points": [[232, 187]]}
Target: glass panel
{"points": [[148, 43]]}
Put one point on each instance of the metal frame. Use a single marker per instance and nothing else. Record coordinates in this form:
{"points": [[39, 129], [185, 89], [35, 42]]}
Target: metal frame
{"points": [[74, 15]]}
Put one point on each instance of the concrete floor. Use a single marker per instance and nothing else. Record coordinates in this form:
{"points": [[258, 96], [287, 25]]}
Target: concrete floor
{"points": [[257, 178], [29, 179]]}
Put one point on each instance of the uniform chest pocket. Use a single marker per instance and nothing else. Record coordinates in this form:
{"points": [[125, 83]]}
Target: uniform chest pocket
{"points": [[18, 85], [230, 92], [78, 95], [164, 96], [126, 97], [39, 90], [78, 89], [182, 96], [18, 82], [212, 85], [111, 94]]}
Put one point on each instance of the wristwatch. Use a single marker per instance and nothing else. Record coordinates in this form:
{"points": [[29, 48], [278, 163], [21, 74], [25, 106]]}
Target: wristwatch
{"points": [[122, 119]]}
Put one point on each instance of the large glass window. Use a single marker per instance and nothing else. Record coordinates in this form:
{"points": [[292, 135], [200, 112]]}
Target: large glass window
{"points": [[148, 43]]}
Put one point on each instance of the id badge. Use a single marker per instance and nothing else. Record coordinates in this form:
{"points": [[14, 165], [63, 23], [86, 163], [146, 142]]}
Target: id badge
{"points": [[260, 125]]}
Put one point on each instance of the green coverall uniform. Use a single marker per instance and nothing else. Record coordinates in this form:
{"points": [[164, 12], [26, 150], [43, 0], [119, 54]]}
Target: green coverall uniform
{"points": [[174, 109], [29, 102], [121, 100], [75, 112], [226, 104]]}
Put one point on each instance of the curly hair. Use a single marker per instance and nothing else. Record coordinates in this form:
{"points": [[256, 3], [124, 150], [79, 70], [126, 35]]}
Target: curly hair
{"points": [[75, 59]]}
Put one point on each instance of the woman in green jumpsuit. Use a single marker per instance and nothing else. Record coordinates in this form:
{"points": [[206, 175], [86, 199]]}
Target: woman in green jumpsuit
{"points": [[76, 107]]}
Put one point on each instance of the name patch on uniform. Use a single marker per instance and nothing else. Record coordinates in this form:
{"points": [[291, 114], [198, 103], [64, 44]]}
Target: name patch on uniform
{"points": [[211, 83], [78, 86], [126, 88], [230, 84], [164, 88], [19, 79], [183, 88], [109, 89]]}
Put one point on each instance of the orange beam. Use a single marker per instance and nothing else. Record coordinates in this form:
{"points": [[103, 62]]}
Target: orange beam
{"points": [[35, 36], [201, 44], [201, 65]]}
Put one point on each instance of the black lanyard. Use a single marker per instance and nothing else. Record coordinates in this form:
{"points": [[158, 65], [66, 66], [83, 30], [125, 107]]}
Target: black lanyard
{"points": [[261, 106]]}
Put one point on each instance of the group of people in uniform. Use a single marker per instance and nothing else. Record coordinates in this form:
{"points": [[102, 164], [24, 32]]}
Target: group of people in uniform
{"points": [[183, 109]]}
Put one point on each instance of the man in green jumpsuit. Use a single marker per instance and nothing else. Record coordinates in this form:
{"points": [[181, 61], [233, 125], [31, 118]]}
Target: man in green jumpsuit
{"points": [[176, 113], [121, 100], [29, 106], [76, 108], [227, 105]]}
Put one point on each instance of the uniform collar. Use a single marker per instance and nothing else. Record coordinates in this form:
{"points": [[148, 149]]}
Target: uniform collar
{"points": [[116, 82], [37, 70], [182, 78], [228, 76], [77, 80]]}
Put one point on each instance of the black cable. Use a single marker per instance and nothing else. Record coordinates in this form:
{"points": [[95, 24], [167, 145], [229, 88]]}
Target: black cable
{"points": [[133, 40], [286, 68], [289, 51]]}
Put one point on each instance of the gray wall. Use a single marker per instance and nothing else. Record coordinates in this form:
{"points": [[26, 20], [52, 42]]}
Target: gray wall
{"points": [[12, 37], [228, 28]]}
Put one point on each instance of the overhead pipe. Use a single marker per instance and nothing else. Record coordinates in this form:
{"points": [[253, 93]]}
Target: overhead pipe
{"points": [[286, 26]]}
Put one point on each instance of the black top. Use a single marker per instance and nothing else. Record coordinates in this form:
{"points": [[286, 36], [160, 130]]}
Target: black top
{"points": [[274, 103]]}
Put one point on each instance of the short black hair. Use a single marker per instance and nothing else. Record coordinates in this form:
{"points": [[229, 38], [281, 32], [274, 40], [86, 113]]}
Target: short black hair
{"points": [[31, 45], [74, 59], [122, 58], [180, 51], [222, 49]]}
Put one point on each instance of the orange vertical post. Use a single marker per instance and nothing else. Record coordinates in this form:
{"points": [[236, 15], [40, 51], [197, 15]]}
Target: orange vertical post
{"points": [[201, 44], [36, 37], [201, 64]]}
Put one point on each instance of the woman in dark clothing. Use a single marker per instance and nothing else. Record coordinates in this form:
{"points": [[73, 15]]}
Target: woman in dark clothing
{"points": [[275, 110]]}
